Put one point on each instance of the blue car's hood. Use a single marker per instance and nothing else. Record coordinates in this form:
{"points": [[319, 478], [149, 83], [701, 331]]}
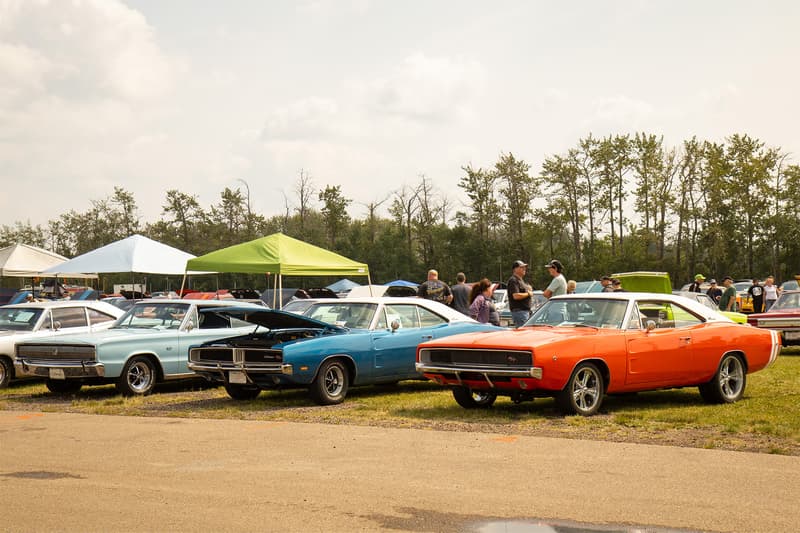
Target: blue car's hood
{"points": [[274, 318]]}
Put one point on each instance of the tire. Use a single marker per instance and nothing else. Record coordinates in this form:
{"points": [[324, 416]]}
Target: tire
{"points": [[6, 372], [470, 399], [583, 394], [242, 392], [330, 385], [728, 383], [138, 377], [58, 386]]}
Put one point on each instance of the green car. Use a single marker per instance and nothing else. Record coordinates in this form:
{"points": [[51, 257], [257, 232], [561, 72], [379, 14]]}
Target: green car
{"points": [[659, 282]]}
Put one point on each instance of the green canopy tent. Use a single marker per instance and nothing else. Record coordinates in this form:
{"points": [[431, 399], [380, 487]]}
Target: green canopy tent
{"points": [[278, 255]]}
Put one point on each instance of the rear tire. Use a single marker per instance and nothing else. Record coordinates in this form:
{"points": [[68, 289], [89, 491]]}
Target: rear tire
{"points": [[330, 385], [242, 392], [58, 386], [583, 394], [6, 372], [470, 399], [728, 383]]}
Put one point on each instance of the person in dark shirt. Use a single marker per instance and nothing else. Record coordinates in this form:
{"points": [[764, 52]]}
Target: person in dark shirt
{"points": [[698, 280], [713, 291], [435, 289], [756, 292], [519, 294], [461, 294]]}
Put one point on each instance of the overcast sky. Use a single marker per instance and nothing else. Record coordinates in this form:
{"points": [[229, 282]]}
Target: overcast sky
{"points": [[194, 95]]}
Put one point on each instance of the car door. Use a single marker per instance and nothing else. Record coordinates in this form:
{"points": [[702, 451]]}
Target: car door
{"points": [[663, 355], [395, 350]]}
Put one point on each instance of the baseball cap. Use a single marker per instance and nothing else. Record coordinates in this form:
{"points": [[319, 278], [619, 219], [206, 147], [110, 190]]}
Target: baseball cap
{"points": [[519, 263], [712, 281], [605, 278], [727, 277], [699, 276], [555, 263]]}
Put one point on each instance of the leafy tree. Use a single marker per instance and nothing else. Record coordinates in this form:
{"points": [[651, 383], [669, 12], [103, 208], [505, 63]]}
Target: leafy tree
{"points": [[334, 212]]}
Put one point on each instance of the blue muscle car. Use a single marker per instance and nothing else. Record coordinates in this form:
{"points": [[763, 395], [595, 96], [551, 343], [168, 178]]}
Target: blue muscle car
{"points": [[332, 345]]}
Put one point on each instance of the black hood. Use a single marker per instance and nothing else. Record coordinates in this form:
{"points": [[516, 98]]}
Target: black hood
{"points": [[273, 318]]}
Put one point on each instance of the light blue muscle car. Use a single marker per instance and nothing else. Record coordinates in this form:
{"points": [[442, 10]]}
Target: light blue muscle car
{"points": [[146, 345], [332, 345]]}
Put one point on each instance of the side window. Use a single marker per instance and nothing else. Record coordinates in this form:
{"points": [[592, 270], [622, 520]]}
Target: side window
{"points": [[668, 315], [211, 320], [70, 317], [429, 318], [406, 314], [97, 317], [47, 322], [638, 320], [382, 323]]}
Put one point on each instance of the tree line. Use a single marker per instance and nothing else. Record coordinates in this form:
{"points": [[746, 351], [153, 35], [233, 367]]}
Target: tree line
{"points": [[611, 204]]}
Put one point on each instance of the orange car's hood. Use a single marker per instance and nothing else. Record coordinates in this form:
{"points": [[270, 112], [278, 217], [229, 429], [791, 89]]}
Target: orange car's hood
{"points": [[526, 337]]}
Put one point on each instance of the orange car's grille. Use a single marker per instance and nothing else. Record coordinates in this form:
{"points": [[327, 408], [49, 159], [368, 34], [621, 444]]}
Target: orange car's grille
{"points": [[511, 358]]}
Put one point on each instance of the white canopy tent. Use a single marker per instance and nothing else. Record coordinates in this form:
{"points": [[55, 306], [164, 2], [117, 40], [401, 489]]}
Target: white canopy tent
{"points": [[25, 261], [132, 254]]}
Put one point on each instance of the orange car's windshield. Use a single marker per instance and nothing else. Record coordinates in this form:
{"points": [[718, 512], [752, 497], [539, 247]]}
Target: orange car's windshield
{"points": [[593, 312]]}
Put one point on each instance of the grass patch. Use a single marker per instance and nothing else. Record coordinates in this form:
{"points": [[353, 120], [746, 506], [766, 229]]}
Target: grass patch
{"points": [[767, 420]]}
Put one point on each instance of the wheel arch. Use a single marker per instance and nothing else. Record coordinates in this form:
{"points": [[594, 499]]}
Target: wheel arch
{"points": [[348, 361], [742, 356], [601, 365], [153, 358]]}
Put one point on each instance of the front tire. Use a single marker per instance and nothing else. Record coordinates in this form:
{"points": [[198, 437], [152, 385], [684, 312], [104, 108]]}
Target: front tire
{"points": [[330, 385], [470, 399], [728, 383], [583, 394], [6, 372], [138, 377], [58, 386], [242, 392]]}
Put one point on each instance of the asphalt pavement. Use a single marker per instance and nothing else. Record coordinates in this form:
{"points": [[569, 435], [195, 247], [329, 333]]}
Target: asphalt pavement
{"points": [[70, 472]]}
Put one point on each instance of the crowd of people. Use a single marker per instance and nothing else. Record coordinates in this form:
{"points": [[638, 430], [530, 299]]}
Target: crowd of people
{"points": [[762, 296], [476, 300]]}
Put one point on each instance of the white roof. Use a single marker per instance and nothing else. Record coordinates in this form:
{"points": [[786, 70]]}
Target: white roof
{"points": [[448, 312], [22, 260], [132, 254], [692, 305]]}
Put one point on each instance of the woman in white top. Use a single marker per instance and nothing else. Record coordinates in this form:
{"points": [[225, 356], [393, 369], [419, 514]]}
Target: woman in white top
{"points": [[770, 293]]}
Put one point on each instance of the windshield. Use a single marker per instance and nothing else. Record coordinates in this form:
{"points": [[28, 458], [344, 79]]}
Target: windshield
{"points": [[787, 301], [19, 319], [580, 312], [349, 315], [153, 316]]}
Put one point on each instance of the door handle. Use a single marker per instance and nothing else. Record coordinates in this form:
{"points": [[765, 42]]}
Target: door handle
{"points": [[427, 337], [687, 339]]}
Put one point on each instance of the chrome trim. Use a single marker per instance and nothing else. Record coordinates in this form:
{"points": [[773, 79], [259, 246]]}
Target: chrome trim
{"points": [[266, 368], [71, 369], [530, 372]]}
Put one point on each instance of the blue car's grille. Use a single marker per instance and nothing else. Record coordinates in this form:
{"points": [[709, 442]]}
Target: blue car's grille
{"points": [[253, 355], [443, 356], [222, 355]]}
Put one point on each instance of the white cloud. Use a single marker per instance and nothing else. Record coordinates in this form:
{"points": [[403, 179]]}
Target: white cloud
{"points": [[428, 89]]}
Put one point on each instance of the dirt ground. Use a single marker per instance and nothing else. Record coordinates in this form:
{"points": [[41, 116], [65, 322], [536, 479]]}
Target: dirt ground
{"points": [[76, 472]]}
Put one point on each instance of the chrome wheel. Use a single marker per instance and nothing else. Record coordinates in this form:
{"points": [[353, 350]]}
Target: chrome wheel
{"points": [[334, 380], [583, 394], [330, 385], [731, 378], [138, 377]]}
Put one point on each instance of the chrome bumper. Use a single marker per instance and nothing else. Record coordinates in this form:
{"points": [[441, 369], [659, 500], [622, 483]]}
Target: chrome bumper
{"points": [[71, 369], [221, 368], [531, 372]]}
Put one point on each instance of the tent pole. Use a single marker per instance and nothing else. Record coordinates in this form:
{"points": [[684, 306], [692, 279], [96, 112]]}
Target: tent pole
{"points": [[183, 282], [280, 290]]}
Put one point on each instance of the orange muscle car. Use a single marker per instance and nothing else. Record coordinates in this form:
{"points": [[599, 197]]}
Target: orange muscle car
{"points": [[579, 347]]}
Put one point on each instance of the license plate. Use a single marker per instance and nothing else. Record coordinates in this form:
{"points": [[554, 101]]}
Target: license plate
{"points": [[57, 373], [791, 335], [237, 378]]}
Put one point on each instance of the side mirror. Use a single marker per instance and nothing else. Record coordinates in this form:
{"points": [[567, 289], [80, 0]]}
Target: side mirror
{"points": [[190, 325], [56, 325], [651, 325], [395, 325]]}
